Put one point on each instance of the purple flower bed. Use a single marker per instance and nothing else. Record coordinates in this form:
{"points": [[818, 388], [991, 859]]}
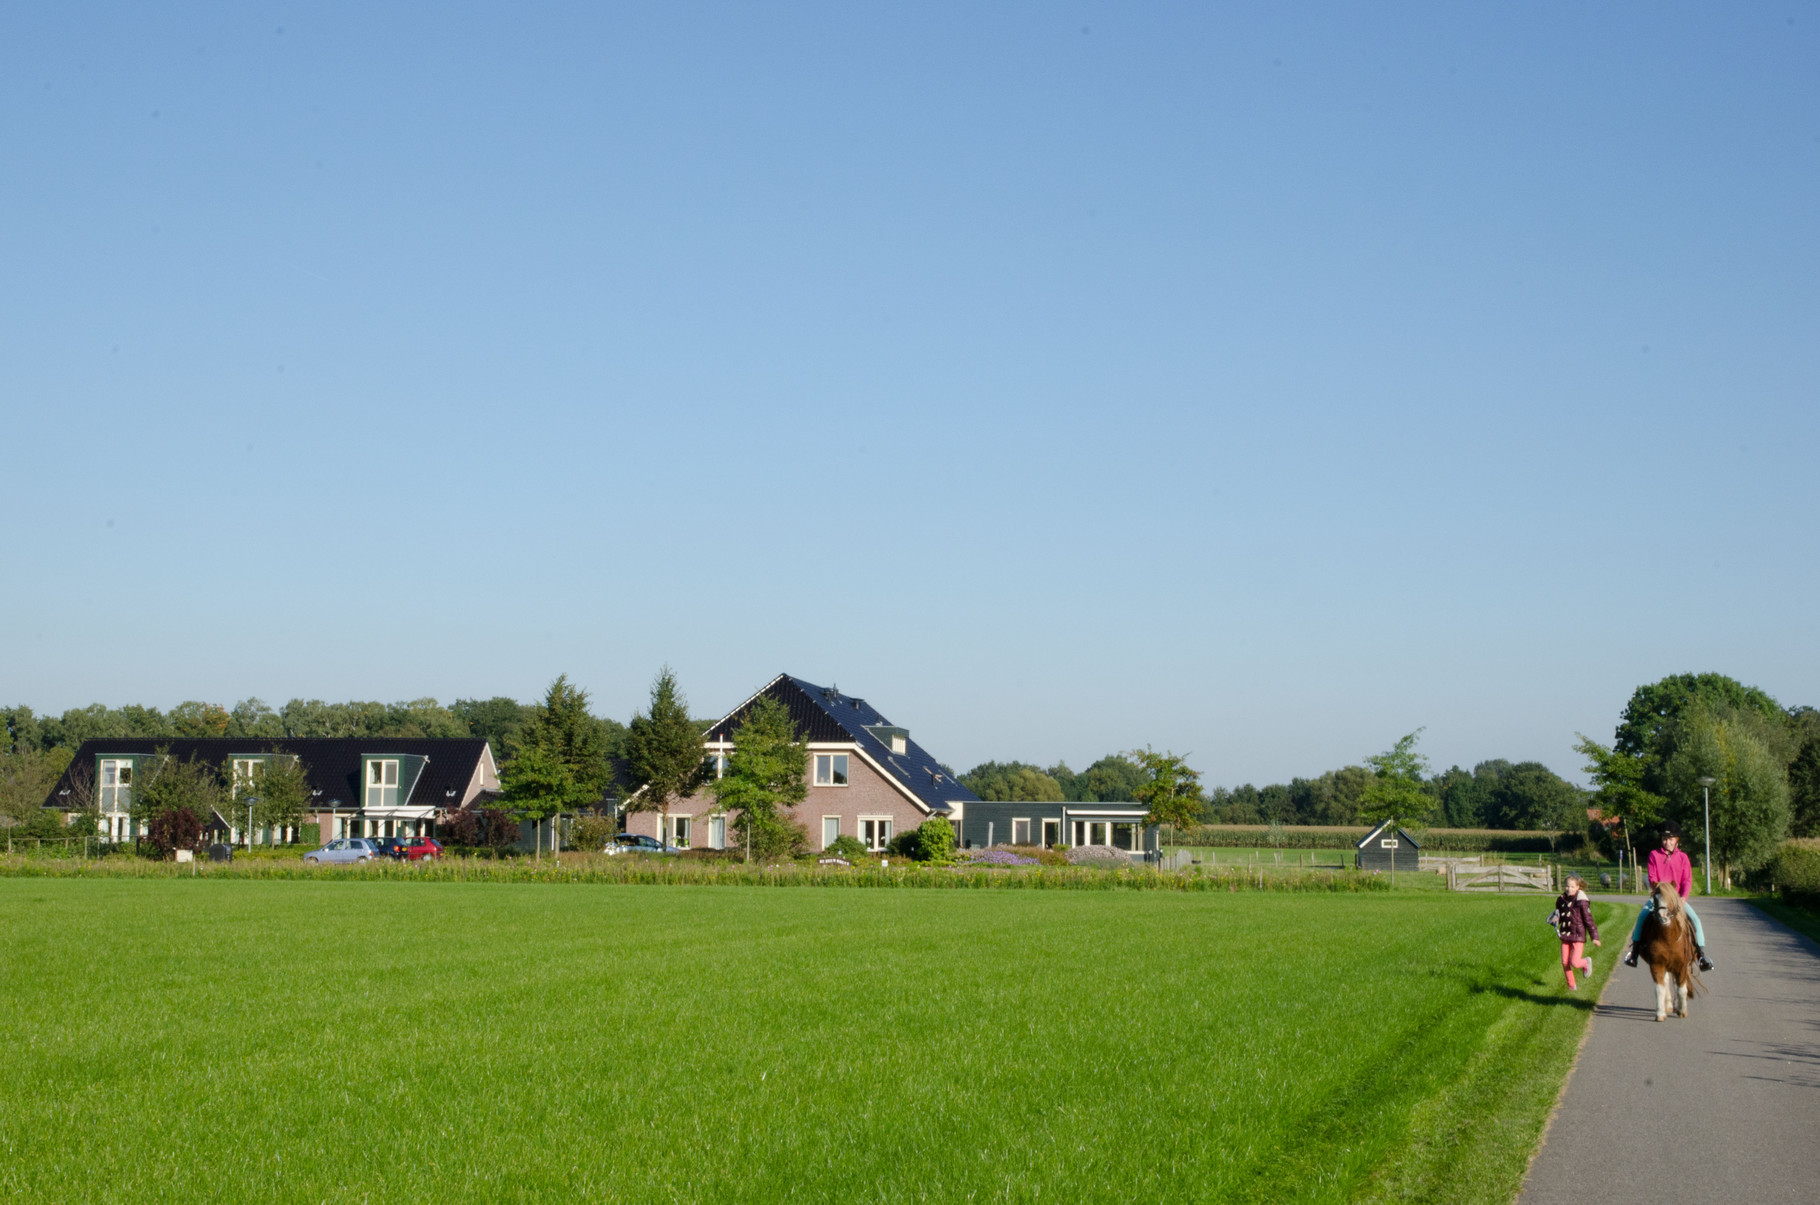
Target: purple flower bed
{"points": [[997, 857]]}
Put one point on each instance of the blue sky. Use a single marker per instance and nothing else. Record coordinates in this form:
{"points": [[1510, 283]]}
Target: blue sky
{"points": [[1261, 382]]}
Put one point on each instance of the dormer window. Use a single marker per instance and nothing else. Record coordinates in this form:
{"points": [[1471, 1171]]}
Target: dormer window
{"points": [[247, 773], [382, 784], [116, 791], [893, 738], [830, 769]]}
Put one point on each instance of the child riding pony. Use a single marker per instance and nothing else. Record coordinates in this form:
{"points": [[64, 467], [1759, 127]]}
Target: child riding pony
{"points": [[1670, 865]]}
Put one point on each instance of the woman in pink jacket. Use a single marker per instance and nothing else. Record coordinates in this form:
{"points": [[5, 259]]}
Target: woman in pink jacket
{"points": [[1670, 865]]}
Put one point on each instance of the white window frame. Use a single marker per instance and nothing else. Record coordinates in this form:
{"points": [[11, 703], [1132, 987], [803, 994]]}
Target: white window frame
{"points": [[1052, 826], [245, 776], [826, 839], [876, 832], [679, 831], [1020, 824], [717, 831], [107, 794], [383, 765], [826, 767]]}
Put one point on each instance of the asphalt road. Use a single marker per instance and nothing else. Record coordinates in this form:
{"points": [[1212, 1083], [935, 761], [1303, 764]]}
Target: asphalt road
{"points": [[1724, 1106]]}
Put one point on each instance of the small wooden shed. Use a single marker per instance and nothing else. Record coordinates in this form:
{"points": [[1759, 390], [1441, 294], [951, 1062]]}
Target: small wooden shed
{"points": [[1388, 847]]}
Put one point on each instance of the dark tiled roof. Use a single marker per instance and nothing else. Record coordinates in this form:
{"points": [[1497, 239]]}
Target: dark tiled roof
{"points": [[823, 714], [333, 765]]}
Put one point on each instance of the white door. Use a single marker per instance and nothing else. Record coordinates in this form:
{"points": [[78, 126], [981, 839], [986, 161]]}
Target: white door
{"points": [[830, 830], [717, 832]]}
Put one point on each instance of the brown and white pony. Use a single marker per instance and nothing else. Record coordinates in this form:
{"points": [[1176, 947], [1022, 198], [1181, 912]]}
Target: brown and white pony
{"points": [[1668, 947]]}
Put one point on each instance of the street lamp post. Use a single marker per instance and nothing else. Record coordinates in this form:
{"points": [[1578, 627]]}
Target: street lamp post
{"points": [[1706, 791]]}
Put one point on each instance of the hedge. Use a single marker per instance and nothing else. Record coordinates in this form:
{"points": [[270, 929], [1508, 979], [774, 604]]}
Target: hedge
{"points": [[681, 872], [1795, 872]]}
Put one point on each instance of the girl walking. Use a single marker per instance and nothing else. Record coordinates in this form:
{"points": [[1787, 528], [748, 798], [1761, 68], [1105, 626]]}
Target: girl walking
{"points": [[1572, 919]]}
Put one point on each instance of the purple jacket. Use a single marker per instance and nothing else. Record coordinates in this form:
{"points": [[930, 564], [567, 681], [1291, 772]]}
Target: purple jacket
{"points": [[1573, 919]]}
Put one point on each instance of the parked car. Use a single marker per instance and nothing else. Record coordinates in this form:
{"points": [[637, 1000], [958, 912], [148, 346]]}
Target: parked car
{"points": [[632, 843], [389, 847], [416, 849], [345, 849]]}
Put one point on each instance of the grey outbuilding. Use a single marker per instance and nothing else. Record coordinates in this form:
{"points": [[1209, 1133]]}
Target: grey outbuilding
{"points": [[1388, 847]]}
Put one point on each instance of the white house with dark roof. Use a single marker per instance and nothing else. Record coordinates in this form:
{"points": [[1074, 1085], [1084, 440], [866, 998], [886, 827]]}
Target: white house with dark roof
{"points": [[363, 787], [867, 777]]}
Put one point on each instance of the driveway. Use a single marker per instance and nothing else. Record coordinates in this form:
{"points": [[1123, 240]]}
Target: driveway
{"points": [[1724, 1106]]}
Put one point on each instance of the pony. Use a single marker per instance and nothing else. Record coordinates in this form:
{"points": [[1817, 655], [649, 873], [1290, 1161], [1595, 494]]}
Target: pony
{"points": [[1668, 947]]}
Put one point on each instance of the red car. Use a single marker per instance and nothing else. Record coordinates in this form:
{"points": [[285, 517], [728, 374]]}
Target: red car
{"points": [[416, 849]]}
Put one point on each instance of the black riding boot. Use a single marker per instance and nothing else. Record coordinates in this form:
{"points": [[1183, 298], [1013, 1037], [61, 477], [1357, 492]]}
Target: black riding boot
{"points": [[1706, 964], [1630, 955]]}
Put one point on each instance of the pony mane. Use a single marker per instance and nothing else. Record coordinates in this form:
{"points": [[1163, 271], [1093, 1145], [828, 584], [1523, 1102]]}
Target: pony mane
{"points": [[1670, 898]]}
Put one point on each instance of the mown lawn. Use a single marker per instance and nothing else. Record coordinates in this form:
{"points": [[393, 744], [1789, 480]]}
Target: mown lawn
{"points": [[353, 1041]]}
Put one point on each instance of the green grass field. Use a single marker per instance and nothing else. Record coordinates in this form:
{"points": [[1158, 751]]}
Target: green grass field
{"points": [[396, 1041]]}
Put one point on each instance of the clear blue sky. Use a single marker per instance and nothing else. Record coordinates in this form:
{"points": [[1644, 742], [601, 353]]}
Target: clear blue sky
{"points": [[1260, 381]]}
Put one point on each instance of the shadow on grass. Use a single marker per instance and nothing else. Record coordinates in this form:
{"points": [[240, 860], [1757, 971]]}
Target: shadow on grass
{"points": [[1584, 1003]]}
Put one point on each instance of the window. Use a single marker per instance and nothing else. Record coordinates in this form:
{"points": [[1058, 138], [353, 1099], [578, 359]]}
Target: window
{"points": [[247, 773], [382, 784], [830, 830], [1020, 832], [830, 769], [717, 765], [1092, 832], [717, 832], [679, 831], [1124, 836], [116, 793], [1052, 833], [875, 833]]}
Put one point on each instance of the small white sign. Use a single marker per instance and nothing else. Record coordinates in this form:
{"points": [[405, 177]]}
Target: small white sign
{"points": [[184, 855], [1388, 843]]}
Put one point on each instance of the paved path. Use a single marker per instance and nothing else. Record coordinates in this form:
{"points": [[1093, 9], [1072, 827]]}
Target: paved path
{"points": [[1726, 1104]]}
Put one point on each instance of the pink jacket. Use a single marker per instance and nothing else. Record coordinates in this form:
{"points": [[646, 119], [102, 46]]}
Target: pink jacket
{"points": [[1672, 868]]}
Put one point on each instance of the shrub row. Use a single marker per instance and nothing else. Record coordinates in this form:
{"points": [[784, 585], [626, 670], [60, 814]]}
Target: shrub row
{"points": [[680, 872], [1301, 836], [1795, 872]]}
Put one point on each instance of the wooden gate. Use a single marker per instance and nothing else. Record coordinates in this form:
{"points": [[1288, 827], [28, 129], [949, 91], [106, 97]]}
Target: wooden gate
{"points": [[1502, 879]]}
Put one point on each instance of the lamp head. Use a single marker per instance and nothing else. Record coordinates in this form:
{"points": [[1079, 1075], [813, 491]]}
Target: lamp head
{"points": [[1706, 782]]}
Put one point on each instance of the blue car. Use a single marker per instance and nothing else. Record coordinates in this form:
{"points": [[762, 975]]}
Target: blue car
{"points": [[346, 849]]}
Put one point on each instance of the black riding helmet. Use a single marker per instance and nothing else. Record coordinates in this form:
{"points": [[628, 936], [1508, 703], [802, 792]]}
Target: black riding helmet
{"points": [[1671, 829]]}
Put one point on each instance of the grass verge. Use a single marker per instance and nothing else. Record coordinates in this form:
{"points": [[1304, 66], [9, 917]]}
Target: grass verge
{"points": [[1801, 920], [239, 1039]]}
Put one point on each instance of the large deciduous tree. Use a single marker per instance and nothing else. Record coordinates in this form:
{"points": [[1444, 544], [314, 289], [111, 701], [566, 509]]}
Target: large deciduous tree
{"points": [[664, 751], [1004, 782], [1396, 792], [164, 784], [1734, 747], [766, 774], [1170, 789]]}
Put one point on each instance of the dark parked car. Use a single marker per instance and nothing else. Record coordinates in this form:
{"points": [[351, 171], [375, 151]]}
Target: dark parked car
{"points": [[389, 847], [416, 849]]}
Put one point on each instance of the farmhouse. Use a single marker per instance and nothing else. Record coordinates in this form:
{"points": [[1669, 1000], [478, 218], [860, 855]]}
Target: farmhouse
{"points": [[867, 778], [380, 787], [1388, 847]]}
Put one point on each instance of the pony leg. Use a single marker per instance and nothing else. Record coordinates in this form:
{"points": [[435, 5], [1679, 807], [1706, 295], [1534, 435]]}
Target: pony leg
{"points": [[1682, 987], [1661, 997]]}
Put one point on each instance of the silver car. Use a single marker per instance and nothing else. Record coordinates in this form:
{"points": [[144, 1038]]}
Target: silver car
{"points": [[345, 849]]}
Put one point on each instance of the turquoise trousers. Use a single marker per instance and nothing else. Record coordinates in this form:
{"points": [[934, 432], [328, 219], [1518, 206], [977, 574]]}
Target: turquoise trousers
{"points": [[1649, 906]]}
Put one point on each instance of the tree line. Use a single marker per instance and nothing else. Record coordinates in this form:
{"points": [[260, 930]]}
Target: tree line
{"points": [[1493, 794]]}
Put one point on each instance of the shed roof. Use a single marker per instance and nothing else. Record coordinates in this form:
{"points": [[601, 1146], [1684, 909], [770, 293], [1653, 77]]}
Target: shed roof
{"points": [[1402, 834]]}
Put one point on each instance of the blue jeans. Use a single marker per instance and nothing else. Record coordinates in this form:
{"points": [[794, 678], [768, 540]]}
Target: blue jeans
{"points": [[1649, 906]]}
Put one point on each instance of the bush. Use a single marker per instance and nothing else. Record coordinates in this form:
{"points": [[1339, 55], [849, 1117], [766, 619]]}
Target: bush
{"points": [[847, 846], [774, 836], [309, 835], [172, 830], [591, 833], [908, 844], [935, 840], [463, 828], [498, 829], [1795, 871]]}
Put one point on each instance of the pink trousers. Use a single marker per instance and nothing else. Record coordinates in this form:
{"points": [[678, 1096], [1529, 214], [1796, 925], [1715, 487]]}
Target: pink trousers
{"points": [[1572, 958]]}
